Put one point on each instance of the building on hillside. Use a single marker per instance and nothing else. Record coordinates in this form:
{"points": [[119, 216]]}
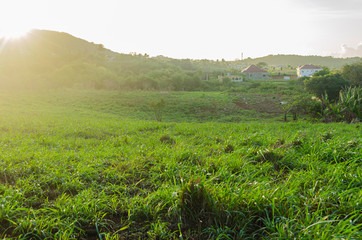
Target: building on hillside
{"points": [[233, 78], [253, 72], [307, 70]]}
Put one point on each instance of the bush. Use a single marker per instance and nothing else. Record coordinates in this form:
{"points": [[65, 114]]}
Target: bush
{"points": [[329, 84], [353, 73], [348, 108], [157, 108]]}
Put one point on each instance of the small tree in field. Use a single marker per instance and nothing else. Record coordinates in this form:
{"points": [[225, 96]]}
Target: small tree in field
{"points": [[157, 107], [297, 104]]}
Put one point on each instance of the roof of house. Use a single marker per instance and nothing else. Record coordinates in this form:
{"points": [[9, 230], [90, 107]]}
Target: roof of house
{"points": [[253, 69], [309, 66]]}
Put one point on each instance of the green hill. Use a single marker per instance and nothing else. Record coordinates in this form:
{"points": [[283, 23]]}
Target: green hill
{"points": [[297, 60], [56, 60]]}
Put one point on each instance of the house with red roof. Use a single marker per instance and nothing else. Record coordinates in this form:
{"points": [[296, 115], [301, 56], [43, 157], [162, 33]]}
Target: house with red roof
{"points": [[307, 70], [253, 72]]}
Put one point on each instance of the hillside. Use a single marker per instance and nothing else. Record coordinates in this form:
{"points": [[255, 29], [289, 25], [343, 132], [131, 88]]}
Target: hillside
{"points": [[56, 60], [297, 60]]}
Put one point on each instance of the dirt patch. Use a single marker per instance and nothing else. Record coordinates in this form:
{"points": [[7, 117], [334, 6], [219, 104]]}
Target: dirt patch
{"points": [[261, 103], [244, 105]]}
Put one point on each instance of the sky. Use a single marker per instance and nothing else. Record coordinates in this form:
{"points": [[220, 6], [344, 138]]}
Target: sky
{"points": [[197, 29]]}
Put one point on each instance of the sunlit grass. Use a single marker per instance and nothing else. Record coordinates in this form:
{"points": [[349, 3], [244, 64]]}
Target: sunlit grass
{"points": [[70, 169]]}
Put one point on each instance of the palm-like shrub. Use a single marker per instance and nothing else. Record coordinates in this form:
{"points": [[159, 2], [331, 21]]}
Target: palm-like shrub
{"points": [[351, 100], [348, 107]]}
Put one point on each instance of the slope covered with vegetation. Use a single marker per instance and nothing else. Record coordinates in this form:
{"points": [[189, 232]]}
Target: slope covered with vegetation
{"points": [[297, 60], [48, 59], [81, 163], [74, 169]]}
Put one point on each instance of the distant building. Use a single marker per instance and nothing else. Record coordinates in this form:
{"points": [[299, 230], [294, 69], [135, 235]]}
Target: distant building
{"points": [[307, 70], [253, 72], [233, 78]]}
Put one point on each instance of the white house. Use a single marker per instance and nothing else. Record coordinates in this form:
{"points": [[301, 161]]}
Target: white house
{"points": [[307, 70], [233, 78]]}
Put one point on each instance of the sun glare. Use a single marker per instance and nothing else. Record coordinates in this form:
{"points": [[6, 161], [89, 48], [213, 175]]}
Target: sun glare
{"points": [[13, 32]]}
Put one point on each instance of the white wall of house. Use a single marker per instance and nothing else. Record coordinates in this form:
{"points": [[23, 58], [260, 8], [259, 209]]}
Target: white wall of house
{"points": [[307, 72]]}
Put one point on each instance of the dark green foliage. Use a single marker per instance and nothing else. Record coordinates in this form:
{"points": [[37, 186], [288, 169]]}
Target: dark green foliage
{"points": [[348, 108], [350, 100], [353, 73], [315, 109], [323, 72], [329, 84]]}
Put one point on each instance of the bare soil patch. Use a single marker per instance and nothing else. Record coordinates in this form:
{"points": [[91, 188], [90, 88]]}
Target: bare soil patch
{"points": [[261, 103]]}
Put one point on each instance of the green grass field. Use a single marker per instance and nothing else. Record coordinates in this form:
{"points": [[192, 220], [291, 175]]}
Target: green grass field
{"points": [[96, 165]]}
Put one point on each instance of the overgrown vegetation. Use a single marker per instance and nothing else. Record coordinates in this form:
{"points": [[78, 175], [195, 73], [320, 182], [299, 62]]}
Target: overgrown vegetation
{"points": [[348, 108], [196, 160], [52, 60], [72, 168]]}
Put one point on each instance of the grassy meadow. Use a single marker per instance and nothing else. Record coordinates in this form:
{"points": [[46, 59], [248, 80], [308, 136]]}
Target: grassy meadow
{"points": [[77, 164]]}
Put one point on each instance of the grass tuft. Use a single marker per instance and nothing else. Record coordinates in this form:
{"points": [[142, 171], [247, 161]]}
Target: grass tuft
{"points": [[167, 139], [229, 148], [196, 204]]}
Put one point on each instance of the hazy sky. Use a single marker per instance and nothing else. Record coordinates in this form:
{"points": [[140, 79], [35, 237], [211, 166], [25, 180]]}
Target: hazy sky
{"points": [[198, 29]]}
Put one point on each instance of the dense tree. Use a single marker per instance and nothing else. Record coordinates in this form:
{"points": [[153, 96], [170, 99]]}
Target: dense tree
{"points": [[329, 85], [323, 72], [192, 82], [177, 81], [353, 73]]}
